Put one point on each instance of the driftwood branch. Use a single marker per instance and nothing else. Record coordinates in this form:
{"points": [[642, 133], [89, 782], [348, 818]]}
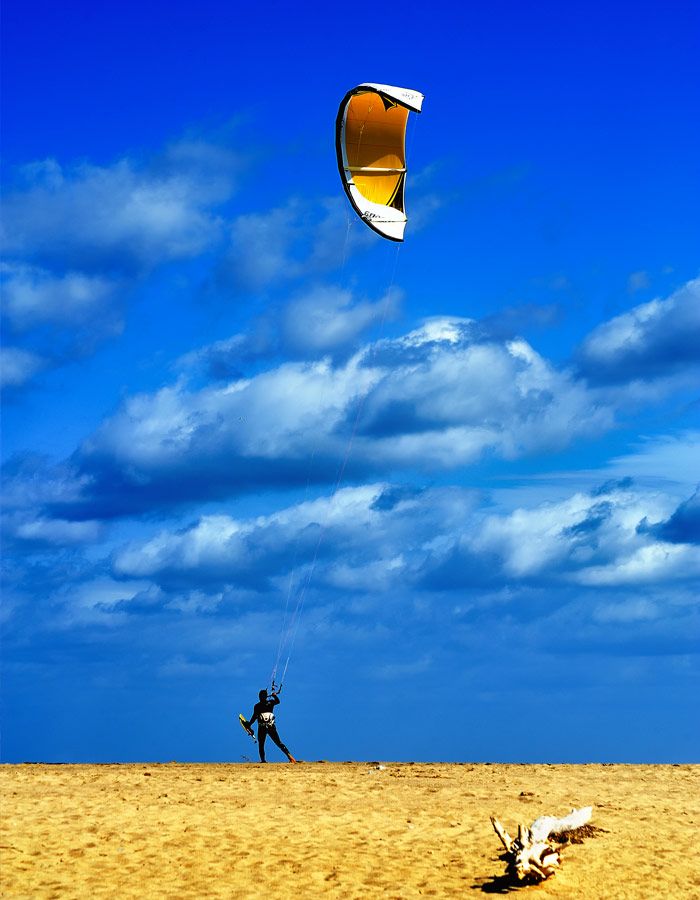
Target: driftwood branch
{"points": [[530, 856], [506, 839]]}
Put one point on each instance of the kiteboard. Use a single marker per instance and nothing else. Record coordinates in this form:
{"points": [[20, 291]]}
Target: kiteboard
{"points": [[246, 727]]}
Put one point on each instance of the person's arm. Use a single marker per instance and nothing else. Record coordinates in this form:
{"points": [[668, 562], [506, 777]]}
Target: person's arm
{"points": [[256, 712], [275, 699]]}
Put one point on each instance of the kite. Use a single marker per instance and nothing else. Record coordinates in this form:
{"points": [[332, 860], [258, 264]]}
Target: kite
{"points": [[370, 140]]}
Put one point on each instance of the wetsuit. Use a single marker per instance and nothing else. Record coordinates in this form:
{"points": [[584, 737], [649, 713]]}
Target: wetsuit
{"points": [[262, 711]]}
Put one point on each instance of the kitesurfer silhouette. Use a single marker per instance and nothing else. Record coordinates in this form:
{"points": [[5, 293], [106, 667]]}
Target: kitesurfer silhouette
{"points": [[263, 712]]}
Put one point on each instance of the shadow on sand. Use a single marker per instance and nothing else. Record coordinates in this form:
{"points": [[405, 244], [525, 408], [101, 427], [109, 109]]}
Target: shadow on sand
{"points": [[497, 884]]}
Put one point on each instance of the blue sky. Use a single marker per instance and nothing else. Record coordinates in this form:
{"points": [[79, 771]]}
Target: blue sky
{"points": [[470, 462]]}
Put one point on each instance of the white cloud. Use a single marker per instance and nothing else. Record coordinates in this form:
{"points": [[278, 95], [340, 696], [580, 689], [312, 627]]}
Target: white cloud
{"points": [[651, 341], [274, 415], [327, 319], [324, 319], [58, 532], [662, 458], [661, 462], [212, 542], [303, 237], [30, 488], [434, 398], [35, 297], [122, 217], [18, 366], [530, 541], [98, 601], [588, 539], [655, 562], [379, 538], [262, 245], [77, 238], [449, 397], [375, 518], [30, 482]]}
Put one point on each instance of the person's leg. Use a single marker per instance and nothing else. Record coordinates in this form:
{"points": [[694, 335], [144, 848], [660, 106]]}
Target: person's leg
{"points": [[262, 734], [276, 738]]}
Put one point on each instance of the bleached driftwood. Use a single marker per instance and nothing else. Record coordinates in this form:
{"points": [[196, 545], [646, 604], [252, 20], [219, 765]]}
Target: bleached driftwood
{"points": [[530, 856]]}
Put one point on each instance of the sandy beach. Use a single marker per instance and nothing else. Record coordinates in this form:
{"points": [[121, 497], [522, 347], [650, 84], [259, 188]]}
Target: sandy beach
{"points": [[346, 830]]}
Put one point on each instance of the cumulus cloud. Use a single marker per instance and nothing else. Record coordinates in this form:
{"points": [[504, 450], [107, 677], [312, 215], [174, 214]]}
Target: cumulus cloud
{"points": [[30, 481], [383, 538], [653, 340], [661, 562], [56, 318], [683, 526], [259, 553], [78, 239], [449, 395], [301, 238], [126, 217], [324, 319], [45, 532], [437, 398], [97, 600], [576, 573], [34, 297], [328, 320], [18, 367], [591, 539], [30, 484]]}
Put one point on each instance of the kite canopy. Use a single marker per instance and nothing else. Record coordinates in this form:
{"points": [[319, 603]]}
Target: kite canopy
{"points": [[370, 140]]}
